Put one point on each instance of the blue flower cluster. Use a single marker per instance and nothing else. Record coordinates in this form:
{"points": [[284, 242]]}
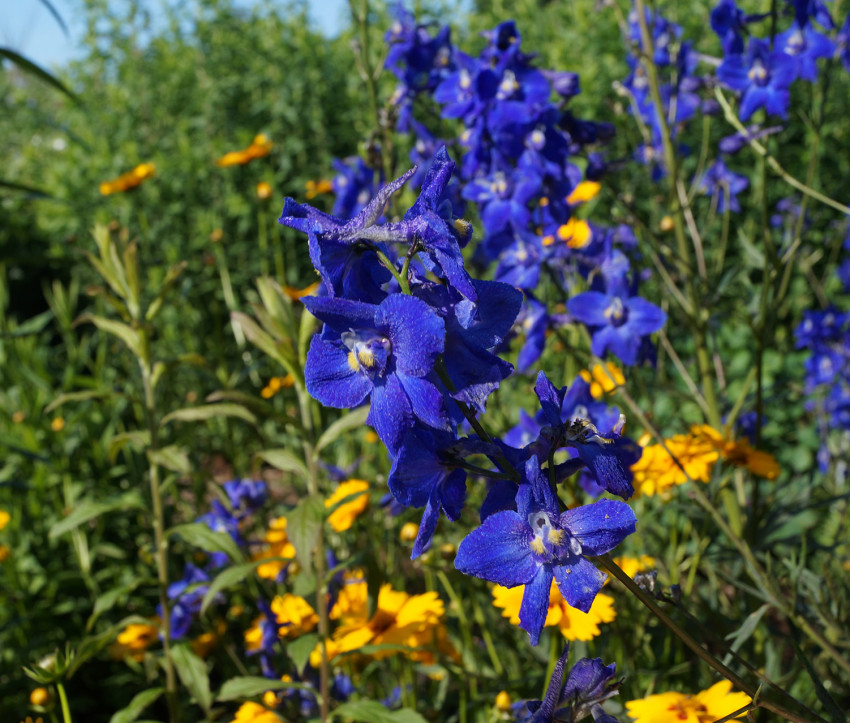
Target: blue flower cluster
{"points": [[245, 497], [415, 337], [827, 335]]}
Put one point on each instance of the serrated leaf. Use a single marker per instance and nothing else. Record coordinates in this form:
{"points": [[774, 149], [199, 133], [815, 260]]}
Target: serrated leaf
{"points": [[250, 686], [135, 707], [299, 650], [354, 419], [199, 414], [89, 510], [304, 525], [371, 711], [233, 575], [171, 457], [199, 535], [118, 329], [284, 460], [192, 671]]}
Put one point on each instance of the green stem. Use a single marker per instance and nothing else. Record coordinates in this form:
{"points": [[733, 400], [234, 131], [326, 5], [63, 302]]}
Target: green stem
{"points": [[63, 702], [772, 163], [160, 542], [609, 564]]}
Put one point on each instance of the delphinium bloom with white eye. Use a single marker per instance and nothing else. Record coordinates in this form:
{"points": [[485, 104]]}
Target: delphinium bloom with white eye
{"points": [[537, 542]]}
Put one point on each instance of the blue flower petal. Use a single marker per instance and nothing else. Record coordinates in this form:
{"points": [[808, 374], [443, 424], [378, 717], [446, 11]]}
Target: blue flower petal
{"points": [[535, 604], [579, 582], [427, 527], [341, 314], [426, 401], [416, 332], [600, 526], [330, 379], [499, 551], [590, 308], [390, 414]]}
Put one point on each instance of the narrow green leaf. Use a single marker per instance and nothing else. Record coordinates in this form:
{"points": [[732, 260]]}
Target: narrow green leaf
{"points": [[118, 329], [250, 686], [89, 510], [199, 414], [283, 460], [56, 16], [199, 535], [31, 191], [31, 326], [193, 674], [303, 526], [78, 397], [37, 71], [743, 633], [137, 705], [353, 420]]}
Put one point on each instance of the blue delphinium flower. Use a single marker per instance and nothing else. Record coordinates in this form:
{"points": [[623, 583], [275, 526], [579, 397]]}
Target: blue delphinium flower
{"points": [[588, 683], [805, 45], [385, 352], [723, 186], [617, 319], [536, 543], [763, 77]]}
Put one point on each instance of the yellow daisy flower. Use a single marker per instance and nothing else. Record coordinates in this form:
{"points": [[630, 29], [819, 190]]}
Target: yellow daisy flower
{"points": [[342, 518], [277, 545], [706, 706], [574, 624]]}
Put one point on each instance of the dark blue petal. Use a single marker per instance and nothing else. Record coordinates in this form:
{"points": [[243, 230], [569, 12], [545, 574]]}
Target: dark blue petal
{"points": [[600, 526], [535, 604], [390, 414], [426, 401], [427, 527], [499, 551], [341, 314], [590, 308], [579, 582], [415, 331], [330, 379]]}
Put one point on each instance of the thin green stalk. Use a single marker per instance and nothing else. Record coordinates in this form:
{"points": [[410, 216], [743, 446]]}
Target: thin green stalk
{"points": [[609, 565], [160, 542], [678, 197], [771, 161], [63, 702]]}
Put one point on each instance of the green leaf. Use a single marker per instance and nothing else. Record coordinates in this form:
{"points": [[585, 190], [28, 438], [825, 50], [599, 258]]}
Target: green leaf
{"points": [[304, 525], [168, 283], [31, 191], [250, 686], [118, 329], [193, 674], [89, 510], [31, 326], [354, 419], [233, 575], [742, 634], [137, 705], [78, 397], [283, 460], [37, 71], [299, 650], [210, 411], [138, 439], [199, 535], [279, 351], [371, 711], [171, 457]]}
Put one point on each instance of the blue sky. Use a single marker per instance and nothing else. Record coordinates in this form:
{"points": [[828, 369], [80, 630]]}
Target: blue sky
{"points": [[27, 26]]}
